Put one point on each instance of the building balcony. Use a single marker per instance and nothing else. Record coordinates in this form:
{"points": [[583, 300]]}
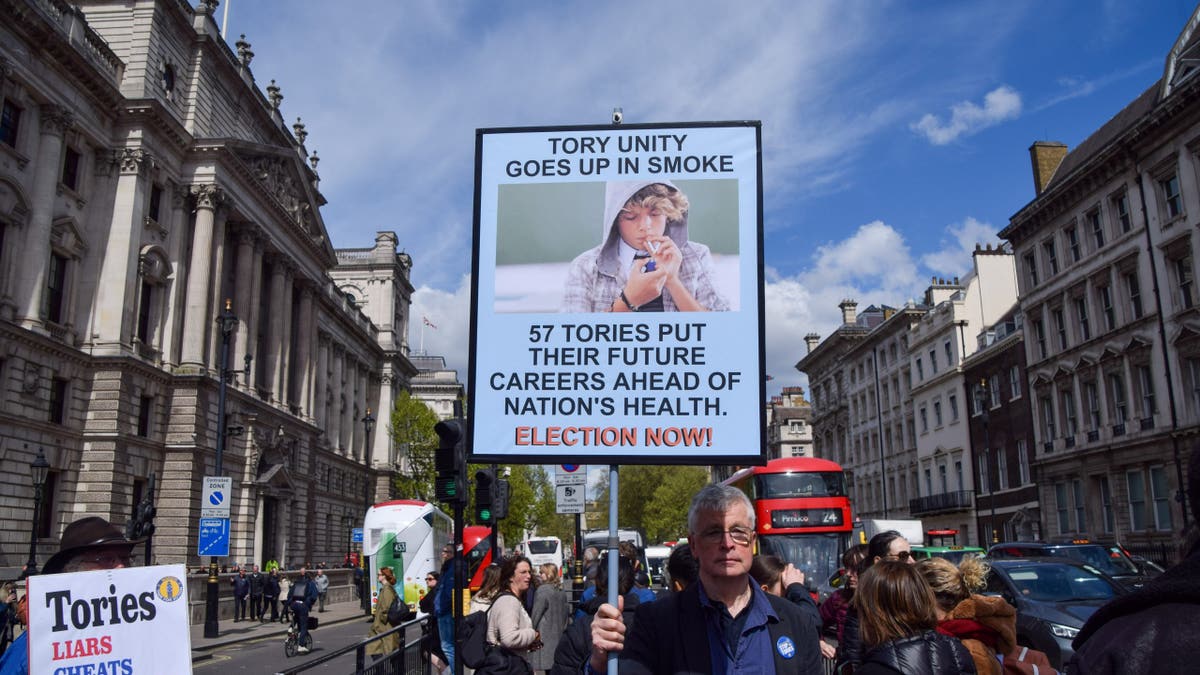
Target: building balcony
{"points": [[945, 502]]}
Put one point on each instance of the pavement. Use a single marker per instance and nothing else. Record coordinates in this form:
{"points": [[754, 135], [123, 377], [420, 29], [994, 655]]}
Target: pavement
{"points": [[232, 632]]}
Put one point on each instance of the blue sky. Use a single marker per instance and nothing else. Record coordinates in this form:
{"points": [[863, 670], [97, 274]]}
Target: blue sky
{"points": [[895, 134]]}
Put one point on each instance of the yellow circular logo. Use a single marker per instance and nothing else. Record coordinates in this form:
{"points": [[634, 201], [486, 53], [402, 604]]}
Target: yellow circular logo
{"points": [[169, 589]]}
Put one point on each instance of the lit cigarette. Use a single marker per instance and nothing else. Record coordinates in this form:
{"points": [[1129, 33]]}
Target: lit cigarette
{"points": [[653, 247]]}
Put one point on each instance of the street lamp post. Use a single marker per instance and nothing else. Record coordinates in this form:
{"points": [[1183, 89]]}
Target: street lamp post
{"points": [[368, 421], [38, 469], [227, 321]]}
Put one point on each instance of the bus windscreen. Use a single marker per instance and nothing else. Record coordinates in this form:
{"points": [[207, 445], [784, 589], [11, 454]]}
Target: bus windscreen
{"points": [[790, 485]]}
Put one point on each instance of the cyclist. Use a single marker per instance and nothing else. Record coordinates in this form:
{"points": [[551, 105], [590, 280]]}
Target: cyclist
{"points": [[300, 600]]}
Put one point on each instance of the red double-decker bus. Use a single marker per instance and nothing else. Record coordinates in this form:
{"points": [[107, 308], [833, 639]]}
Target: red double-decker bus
{"points": [[802, 513]]}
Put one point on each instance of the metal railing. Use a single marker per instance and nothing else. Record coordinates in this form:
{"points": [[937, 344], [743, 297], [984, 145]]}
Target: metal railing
{"points": [[946, 501], [407, 660]]}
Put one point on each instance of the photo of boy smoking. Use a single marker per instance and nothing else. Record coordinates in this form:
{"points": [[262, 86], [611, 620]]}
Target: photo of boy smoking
{"points": [[645, 262]]}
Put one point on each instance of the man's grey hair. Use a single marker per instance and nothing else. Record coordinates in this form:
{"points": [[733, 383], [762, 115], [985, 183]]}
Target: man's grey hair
{"points": [[716, 498], [591, 553]]}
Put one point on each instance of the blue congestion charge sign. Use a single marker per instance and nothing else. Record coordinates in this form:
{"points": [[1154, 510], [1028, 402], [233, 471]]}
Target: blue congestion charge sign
{"points": [[214, 537]]}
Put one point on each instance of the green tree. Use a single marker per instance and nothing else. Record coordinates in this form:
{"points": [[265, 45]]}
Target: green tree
{"points": [[416, 442], [652, 497]]}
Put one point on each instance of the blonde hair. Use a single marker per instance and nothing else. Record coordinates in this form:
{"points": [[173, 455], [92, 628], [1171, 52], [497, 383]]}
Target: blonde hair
{"points": [[551, 572], [670, 202], [893, 601], [951, 585]]}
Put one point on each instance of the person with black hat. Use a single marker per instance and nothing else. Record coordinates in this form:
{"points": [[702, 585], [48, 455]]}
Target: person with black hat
{"points": [[91, 543]]}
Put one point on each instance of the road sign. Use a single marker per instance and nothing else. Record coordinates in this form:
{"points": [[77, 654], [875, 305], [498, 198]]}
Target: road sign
{"points": [[570, 474], [214, 537], [569, 498], [356, 536], [218, 492]]}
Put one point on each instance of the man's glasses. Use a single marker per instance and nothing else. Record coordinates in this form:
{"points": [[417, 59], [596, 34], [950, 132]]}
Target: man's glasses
{"points": [[430, 578], [739, 535], [903, 556], [107, 560]]}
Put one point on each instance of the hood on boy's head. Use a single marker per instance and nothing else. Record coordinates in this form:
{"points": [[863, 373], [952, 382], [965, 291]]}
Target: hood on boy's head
{"points": [[617, 192]]}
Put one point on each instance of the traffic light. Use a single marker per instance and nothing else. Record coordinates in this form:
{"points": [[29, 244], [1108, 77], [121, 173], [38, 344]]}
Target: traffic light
{"points": [[500, 503], [485, 493], [142, 522], [450, 462]]}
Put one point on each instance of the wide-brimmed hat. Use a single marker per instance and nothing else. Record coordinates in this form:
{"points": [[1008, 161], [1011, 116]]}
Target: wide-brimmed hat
{"points": [[83, 534]]}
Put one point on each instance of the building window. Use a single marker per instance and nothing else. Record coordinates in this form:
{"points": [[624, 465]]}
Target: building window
{"points": [[145, 409], [933, 362], [1121, 204], [1091, 398], [1051, 257], [1183, 281], [59, 388], [953, 401], [1134, 290], [977, 400], [1081, 313], [1106, 505], [1172, 199], [1146, 392], [146, 302], [1093, 219], [1060, 328], [1160, 492], [1073, 243], [949, 352], [1014, 382], [924, 420], [49, 506], [1106, 307], [70, 171], [56, 288], [958, 474], [1192, 366], [994, 390], [1039, 334], [1062, 508], [1023, 461], [1048, 419], [1001, 469], [1116, 387], [1080, 505], [1137, 500], [168, 79], [1068, 407], [920, 370], [10, 124], [937, 414], [1031, 269], [945, 480], [154, 212]]}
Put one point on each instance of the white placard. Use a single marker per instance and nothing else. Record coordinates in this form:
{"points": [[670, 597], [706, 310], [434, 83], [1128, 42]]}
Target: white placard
{"points": [[567, 372], [115, 622]]}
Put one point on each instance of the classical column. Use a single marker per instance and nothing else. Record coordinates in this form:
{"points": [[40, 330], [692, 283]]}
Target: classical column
{"points": [[254, 346], [117, 292], [336, 397], [176, 220], [196, 321], [274, 353], [381, 443], [348, 421], [320, 398], [35, 256], [218, 290], [243, 300], [285, 338], [302, 356], [364, 383]]}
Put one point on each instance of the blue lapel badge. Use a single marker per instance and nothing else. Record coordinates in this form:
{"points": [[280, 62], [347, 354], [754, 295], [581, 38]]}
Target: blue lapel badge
{"points": [[785, 647]]}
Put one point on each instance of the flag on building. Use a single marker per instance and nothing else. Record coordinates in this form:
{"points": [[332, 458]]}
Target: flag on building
{"points": [[428, 322]]}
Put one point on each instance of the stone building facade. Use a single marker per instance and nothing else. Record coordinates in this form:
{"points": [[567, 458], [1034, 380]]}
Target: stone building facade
{"points": [[789, 425], [436, 385], [1107, 274], [148, 186]]}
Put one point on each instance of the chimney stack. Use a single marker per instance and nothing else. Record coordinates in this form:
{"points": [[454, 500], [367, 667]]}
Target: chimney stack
{"points": [[848, 315], [812, 340], [1046, 156]]}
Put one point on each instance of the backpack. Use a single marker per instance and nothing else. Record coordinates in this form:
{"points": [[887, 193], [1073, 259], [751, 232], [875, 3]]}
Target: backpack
{"points": [[299, 590], [472, 630], [399, 612], [1026, 661]]}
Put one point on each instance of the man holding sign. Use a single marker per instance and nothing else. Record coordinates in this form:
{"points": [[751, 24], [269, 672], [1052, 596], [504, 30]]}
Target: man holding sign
{"points": [[644, 262], [90, 612]]}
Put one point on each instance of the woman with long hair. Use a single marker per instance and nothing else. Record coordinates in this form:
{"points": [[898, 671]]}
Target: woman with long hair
{"points": [[897, 619], [549, 616], [888, 545], [379, 624], [986, 625], [509, 626], [481, 599], [835, 607]]}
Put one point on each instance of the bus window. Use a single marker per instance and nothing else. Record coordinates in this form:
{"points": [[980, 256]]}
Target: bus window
{"points": [[784, 485]]}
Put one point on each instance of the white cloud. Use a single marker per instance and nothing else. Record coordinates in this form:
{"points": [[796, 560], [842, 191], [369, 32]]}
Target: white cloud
{"points": [[451, 313], [953, 257], [967, 118]]}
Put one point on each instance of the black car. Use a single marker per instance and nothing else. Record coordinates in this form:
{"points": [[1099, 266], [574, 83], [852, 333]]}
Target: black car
{"points": [[1109, 558], [1054, 598]]}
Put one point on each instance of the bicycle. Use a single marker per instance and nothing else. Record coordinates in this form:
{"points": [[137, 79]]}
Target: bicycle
{"points": [[292, 642]]}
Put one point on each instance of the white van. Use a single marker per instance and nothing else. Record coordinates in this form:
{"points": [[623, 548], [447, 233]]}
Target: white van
{"points": [[656, 557], [542, 550]]}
